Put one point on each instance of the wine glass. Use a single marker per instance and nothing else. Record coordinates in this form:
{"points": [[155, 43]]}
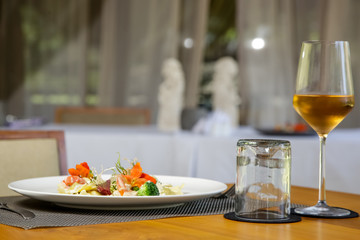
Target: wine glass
{"points": [[324, 96]]}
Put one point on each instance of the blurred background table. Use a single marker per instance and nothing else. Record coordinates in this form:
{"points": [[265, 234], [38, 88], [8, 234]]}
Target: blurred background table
{"points": [[187, 154]]}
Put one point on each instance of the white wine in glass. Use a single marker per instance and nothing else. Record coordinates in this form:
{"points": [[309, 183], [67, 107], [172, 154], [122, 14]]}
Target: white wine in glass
{"points": [[324, 96]]}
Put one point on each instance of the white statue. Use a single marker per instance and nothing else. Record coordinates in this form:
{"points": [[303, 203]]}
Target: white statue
{"points": [[224, 88], [171, 96]]}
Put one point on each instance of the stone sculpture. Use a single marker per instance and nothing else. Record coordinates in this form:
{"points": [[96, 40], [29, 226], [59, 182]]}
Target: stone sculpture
{"points": [[224, 88], [171, 96]]}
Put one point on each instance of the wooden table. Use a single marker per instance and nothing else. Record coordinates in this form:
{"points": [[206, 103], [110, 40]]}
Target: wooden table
{"points": [[212, 227]]}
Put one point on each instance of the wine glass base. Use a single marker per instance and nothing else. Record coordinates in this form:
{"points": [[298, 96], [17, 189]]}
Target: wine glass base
{"points": [[322, 211]]}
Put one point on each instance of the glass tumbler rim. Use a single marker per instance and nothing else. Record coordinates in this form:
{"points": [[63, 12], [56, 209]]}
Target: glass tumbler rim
{"points": [[262, 142], [325, 42]]}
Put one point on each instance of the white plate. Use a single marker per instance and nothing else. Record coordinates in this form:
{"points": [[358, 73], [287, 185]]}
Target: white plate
{"points": [[45, 189]]}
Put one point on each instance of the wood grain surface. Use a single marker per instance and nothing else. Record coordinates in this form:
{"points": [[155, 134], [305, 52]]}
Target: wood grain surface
{"points": [[212, 227]]}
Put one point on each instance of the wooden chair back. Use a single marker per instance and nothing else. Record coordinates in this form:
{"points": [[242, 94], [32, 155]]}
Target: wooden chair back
{"points": [[27, 154], [97, 115]]}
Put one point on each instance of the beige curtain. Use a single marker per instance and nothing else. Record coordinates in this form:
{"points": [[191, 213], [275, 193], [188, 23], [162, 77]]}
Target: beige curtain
{"points": [[137, 36], [12, 64], [267, 60], [44, 46], [90, 52], [194, 25], [109, 53], [340, 22], [268, 74]]}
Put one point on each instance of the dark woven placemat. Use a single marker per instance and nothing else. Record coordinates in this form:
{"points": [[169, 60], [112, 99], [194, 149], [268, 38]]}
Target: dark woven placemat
{"points": [[51, 215]]}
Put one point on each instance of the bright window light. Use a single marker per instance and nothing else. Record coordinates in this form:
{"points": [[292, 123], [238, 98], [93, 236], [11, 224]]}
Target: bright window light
{"points": [[257, 43], [188, 43]]}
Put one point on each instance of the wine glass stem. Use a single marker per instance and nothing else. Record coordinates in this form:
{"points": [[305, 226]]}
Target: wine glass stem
{"points": [[322, 191]]}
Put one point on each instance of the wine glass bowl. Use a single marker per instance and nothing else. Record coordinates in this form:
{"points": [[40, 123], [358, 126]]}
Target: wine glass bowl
{"points": [[323, 98], [323, 112]]}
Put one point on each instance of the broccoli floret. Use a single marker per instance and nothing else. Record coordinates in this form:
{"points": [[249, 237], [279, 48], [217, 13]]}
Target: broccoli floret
{"points": [[148, 189]]}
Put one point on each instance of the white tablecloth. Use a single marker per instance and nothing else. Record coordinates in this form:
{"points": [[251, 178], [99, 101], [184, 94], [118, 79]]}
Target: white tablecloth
{"points": [[188, 154]]}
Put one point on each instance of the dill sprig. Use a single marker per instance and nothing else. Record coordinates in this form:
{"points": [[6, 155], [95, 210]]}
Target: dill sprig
{"points": [[120, 168]]}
